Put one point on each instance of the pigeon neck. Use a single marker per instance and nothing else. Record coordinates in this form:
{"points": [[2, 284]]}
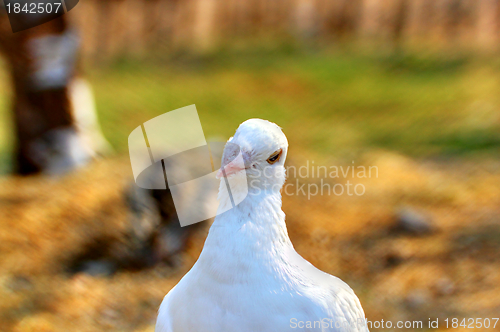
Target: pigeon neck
{"points": [[258, 220], [246, 243]]}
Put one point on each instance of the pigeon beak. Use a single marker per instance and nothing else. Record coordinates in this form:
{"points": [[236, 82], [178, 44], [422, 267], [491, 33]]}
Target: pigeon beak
{"points": [[232, 162], [233, 167]]}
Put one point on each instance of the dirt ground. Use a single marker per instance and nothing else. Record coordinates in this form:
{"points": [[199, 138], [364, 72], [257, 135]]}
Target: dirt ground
{"points": [[450, 271]]}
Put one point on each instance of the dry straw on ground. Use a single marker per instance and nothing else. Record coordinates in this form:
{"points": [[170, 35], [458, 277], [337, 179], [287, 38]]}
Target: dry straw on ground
{"points": [[451, 272]]}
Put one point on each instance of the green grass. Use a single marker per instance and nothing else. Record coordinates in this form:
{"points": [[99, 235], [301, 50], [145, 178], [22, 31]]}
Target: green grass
{"points": [[6, 130], [327, 102]]}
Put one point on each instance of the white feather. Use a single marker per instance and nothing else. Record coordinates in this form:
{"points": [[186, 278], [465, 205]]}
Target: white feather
{"points": [[249, 278]]}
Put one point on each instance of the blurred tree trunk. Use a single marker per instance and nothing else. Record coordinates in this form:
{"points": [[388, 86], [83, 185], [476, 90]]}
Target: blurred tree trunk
{"points": [[51, 119]]}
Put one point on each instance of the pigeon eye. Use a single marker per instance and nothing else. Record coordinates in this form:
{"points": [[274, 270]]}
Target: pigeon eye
{"points": [[275, 157]]}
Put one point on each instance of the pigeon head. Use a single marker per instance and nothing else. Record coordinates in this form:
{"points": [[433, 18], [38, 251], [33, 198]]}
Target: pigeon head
{"points": [[257, 150]]}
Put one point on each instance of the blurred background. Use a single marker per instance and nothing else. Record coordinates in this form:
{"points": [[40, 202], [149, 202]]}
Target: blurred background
{"points": [[411, 87]]}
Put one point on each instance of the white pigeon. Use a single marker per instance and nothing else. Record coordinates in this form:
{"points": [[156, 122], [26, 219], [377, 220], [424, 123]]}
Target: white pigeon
{"points": [[249, 278]]}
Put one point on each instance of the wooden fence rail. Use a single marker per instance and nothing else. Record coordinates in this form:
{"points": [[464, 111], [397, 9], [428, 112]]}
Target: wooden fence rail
{"points": [[136, 26]]}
